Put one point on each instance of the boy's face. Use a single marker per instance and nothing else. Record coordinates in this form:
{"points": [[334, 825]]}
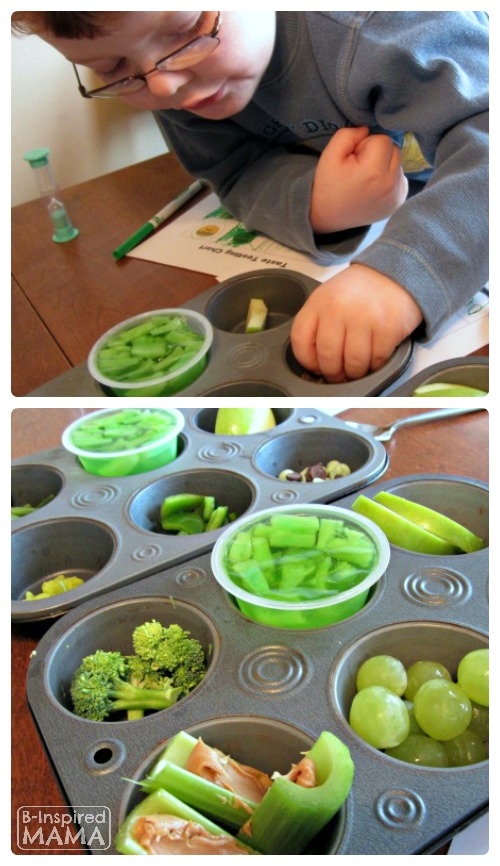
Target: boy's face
{"points": [[217, 87]]}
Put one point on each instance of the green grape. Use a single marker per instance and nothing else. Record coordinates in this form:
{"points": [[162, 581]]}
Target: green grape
{"points": [[421, 671], [414, 725], [467, 748], [473, 676], [421, 750], [480, 722], [382, 671], [379, 717], [442, 709]]}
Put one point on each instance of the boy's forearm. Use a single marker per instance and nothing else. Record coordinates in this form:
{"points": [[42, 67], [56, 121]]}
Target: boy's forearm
{"points": [[436, 245], [268, 188]]}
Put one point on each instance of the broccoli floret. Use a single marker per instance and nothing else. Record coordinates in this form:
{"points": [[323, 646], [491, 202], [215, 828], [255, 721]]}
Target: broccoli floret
{"points": [[101, 686], [172, 652], [142, 675]]}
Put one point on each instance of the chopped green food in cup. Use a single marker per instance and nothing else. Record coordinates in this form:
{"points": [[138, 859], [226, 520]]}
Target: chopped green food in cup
{"points": [[121, 431], [125, 442], [158, 345], [308, 557], [153, 354], [300, 566]]}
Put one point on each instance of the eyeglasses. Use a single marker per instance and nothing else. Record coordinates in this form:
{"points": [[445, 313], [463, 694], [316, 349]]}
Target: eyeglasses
{"points": [[188, 55]]}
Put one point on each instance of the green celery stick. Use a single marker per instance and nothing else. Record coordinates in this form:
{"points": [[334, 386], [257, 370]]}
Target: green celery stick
{"points": [[170, 773], [161, 803], [289, 815]]}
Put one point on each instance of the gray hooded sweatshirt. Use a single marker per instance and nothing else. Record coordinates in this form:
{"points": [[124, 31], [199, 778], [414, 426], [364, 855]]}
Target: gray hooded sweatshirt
{"points": [[424, 73]]}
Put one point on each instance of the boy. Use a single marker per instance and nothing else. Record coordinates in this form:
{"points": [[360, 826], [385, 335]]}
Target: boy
{"points": [[297, 120]]}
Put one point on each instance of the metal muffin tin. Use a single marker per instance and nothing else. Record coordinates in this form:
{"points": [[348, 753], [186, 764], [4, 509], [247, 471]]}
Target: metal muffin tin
{"points": [[106, 530], [269, 693], [252, 365], [473, 370]]}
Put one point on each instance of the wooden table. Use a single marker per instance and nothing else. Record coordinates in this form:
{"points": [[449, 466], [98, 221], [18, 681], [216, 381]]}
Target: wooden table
{"points": [[457, 446], [65, 296]]}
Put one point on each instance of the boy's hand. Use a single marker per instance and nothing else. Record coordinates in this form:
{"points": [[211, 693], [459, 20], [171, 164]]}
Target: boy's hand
{"points": [[352, 323], [359, 180]]}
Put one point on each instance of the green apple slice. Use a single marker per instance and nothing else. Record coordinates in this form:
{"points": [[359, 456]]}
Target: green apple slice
{"points": [[400, 531], [432, 521], [239, 422], [256, 316], [447, 389]]}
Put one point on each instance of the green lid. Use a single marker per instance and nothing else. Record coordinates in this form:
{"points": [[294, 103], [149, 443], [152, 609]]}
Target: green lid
{"points": [[37, 157]]}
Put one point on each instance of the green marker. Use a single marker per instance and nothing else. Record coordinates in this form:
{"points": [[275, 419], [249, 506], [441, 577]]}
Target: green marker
{"points": [[159, 218]]}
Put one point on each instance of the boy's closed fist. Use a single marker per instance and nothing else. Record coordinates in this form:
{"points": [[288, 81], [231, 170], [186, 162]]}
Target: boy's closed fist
{"points": [[359, 180], [352, 323]]}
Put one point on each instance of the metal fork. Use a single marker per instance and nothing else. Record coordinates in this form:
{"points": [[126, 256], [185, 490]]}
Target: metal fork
{"points": [[385, 432]]}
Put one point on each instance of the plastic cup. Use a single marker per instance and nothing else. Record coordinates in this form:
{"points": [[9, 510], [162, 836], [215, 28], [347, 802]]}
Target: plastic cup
{"points": [[302, 614], [167, 383], [158, 451]]}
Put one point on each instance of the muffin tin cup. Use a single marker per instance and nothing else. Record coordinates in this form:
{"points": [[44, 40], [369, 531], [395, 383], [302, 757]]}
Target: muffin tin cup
{"points": [[270, 692], [252, 365], [240, 472], [473, 370]]}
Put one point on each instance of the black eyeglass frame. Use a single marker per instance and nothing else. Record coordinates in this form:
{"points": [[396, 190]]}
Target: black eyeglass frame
{"points": [[142, 76]]}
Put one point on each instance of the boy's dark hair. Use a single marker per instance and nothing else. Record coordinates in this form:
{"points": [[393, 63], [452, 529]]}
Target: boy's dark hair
{"points": [[69, 25]]}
